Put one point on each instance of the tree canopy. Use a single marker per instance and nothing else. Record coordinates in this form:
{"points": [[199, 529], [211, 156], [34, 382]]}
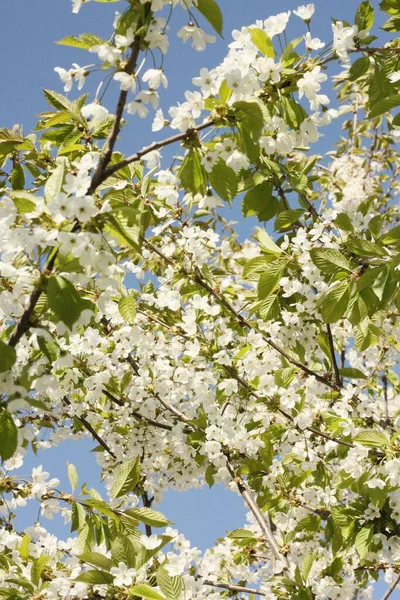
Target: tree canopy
{"points": [[135, 313]]}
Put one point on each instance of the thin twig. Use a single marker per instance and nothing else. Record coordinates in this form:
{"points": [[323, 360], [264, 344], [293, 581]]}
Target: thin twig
{"points": [[257, 513], [392, 588], [92, 431], [333, 355], [233, 588], [156, 146]]}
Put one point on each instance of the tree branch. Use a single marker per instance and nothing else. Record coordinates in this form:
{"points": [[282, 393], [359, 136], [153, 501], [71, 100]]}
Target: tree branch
{"points": [[92, 431], [257, 513], [100, 173], [156, 146], [338, 379], [392, 588], [233, 588]]}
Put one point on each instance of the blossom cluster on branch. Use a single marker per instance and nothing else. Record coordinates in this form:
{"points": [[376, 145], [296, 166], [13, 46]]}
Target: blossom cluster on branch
{"points": [[133, 313]]}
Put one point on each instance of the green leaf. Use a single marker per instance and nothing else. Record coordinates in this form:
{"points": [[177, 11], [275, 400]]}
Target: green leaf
{"points": [[379, 86], [8, 356], [209, 475], [148, 516], [17, 177], [286, 218], [72, 475], [57, 100], [84, 41], [270, 278], [25, 202], [334, 302], [330, 261], [269, 308], [8, 435], [262, 41], [123, 550], [192, 173], [350, 373], [95, 577], [54, 183], [37, 568], [240, 534], [126, 478], [268, 245], [260, 201], [307, 564], [384, 106], [24, 547], [125, 224], [127, 308], [364, 539], [343, 222], [212, 12], [372, 439], [359, 68], [145, 591], [224, 181], [250, 116], [97, 560], [170, 586], [64, 300], [391, 237], [364, 18]]}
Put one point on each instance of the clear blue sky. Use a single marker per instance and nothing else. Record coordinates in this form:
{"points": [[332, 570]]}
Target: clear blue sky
{"points": [[29, 28]]}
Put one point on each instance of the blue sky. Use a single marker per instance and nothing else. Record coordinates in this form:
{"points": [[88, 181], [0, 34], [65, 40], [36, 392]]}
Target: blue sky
{"points": [[29, 56]]}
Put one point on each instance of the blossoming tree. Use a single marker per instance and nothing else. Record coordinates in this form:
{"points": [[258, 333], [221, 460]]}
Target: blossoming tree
{"points": [[268, 365]]}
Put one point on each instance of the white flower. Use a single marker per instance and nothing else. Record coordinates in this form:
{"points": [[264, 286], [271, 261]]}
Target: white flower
{"points": [[276, 24], [394, 77], [268, 144], [107, 53], [269, 70], [159, 121], [198, 37], [67, 77], [237, 161], [305, 12], [150, 542], [122, 41], [155, 78], [207, 82], [77, 184], [83, 208], [152, 159], [126, 81], [136, 107], [94, 112], [77, 4], [229, 386], [343, 39], [49, 508], [123, 575], [59, 208], [313, 43], [209, 160]]}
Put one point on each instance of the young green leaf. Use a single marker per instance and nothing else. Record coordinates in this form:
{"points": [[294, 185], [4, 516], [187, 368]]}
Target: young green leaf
{"points": [[8, 356], [72, 475], [126, 478], [170, 586], [330, 261], [212, 12], [8, 435], [64, 300], [224, 181], [127, 308], [334, 302]]}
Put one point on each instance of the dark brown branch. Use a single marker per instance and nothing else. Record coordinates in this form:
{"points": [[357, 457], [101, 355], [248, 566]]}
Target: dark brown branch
{"points": [[92, 431], [100, 173], [333, 355], [156, 146], [137, 414]]}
